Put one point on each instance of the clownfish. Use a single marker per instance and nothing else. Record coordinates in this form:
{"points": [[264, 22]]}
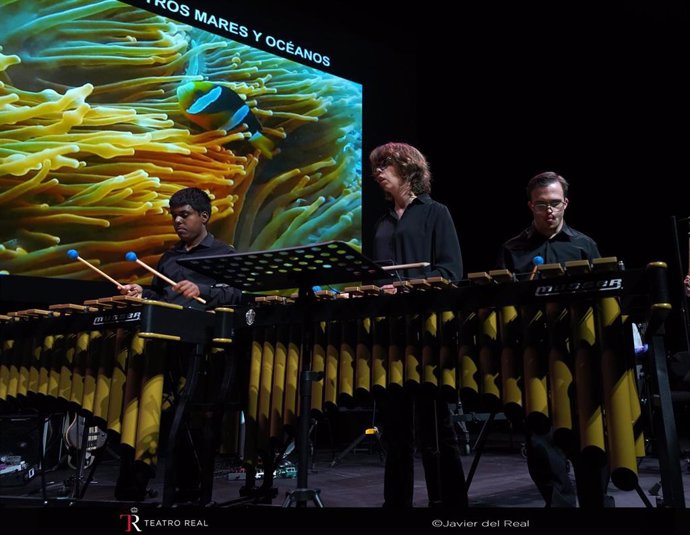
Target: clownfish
{"points": [[216, 107]]}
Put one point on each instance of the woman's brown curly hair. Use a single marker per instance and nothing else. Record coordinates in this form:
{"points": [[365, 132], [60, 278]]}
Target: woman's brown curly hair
{"points": [[408, 161]]}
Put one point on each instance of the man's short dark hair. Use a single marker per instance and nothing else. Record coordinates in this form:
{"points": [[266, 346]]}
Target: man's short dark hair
{"points": [[544, 179], [194, 197]]}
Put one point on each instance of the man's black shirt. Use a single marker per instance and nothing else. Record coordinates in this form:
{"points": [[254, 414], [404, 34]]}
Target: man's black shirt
{"points": [[213, 294], [517, 254]]}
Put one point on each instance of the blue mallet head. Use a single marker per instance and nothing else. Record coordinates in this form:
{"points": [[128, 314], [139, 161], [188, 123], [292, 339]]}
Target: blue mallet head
{"points": [[72, 254], [538, 260], [132, 256]]}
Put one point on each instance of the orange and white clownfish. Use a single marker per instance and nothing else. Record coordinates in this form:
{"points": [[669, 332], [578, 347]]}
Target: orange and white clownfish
{"points": [[217, 107]]}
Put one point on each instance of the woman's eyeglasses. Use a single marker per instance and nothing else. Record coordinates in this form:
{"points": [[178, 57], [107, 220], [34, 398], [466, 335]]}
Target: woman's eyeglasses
{"points": [[383, 163]]}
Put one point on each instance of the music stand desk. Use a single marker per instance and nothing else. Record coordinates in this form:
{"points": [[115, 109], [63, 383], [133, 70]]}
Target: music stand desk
{"points": [[299, 267]]}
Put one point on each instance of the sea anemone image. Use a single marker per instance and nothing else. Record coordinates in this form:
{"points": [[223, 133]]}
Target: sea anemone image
{"points": [[106, 110]]}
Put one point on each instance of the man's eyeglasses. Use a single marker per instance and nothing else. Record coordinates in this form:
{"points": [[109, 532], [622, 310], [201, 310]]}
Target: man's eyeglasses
{"points": [[543, 206]]}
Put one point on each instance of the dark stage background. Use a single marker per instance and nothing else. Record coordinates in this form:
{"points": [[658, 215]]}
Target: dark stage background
{"points": [[598, 93]]}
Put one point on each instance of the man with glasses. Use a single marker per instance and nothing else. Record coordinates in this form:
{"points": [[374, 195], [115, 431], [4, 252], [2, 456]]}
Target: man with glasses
{"points": [[551, 239], [548, 237]]}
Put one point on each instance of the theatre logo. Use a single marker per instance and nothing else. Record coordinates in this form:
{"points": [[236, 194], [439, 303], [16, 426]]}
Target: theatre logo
{"points": [[134, 522]]}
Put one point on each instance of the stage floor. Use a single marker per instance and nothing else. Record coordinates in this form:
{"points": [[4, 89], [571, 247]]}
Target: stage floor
{"points": [[502, 498], [501, 480]]}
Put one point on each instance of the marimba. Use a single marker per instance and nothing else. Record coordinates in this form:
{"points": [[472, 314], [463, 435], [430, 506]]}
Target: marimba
{"points": [[557, 351], [106, 360]]}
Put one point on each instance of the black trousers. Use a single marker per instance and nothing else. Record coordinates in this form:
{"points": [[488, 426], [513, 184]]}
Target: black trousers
{"points": [[548, 467], [195, 442], [421, 418]]}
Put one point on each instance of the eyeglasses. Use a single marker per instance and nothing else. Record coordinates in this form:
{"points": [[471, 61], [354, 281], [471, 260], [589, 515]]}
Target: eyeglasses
{"points": [[383, 163], [543, 206]]}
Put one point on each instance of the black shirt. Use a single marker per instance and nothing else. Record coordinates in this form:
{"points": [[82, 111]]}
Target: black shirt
{"points": [[424, 233], [517, 253], [215, 295]]}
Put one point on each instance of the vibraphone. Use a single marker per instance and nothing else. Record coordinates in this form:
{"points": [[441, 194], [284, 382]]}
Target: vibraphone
{"points": [[106, 360], [557, 351]]}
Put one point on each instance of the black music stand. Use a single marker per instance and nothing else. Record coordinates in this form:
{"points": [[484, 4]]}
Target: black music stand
{"points": [[300, 267]]}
